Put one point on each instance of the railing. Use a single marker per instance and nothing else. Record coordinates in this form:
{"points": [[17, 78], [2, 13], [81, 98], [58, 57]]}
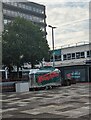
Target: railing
{"points": [[73, 44]]}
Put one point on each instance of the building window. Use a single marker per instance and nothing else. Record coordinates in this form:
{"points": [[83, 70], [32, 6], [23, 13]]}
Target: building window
{"points": [[4, 11], [82, 55], [68, 56], [78, 55], [15, 4], [5, 21], [23, 6], [34, 9], [73, 55], [30, 8], [88, 53], [15, 14], [20, 14], [8, 12], [65, 57], [40, 11], [8, 3], [57, 57], [41, 20], [12, 3], [20, 5], [37, 10]]}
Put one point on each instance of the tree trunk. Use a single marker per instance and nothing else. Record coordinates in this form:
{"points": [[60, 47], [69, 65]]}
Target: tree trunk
{"points": [[32, 65], [17, 71]]}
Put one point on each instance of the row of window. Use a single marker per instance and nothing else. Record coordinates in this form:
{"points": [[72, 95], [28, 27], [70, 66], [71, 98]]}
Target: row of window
{"points": [[70, 56], [28, 7], [76, 55], [7, 21], [26, 16]]}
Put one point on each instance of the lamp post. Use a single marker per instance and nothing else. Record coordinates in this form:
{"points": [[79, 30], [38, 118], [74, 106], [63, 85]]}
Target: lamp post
{"points": [[53, 43]]}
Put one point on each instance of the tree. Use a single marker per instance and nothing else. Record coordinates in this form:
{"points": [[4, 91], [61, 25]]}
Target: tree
{"points": [[23, 41]]}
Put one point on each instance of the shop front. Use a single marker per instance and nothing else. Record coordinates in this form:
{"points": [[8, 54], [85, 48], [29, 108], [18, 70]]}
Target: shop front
{"points": [[80, 73]]}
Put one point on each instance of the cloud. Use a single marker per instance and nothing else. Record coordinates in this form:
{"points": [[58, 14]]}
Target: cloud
{"points": [[70, 21], [56, 2], [71, 17]]}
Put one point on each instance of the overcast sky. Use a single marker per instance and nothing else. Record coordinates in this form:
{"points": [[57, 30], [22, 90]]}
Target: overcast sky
{"points": [[71, 17]]}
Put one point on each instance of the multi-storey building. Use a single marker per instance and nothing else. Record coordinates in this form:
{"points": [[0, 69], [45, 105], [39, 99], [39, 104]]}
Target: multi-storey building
{"points": [[75, 60], [28, 10]]}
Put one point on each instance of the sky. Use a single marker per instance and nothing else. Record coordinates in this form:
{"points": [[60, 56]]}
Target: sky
{"points": [[71, 17]]}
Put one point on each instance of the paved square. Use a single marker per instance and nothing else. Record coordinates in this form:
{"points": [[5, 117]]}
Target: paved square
{"points": [[70, 102]]}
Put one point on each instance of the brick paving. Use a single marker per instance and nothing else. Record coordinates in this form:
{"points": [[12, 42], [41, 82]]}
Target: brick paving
{"points": [[63, 103]]}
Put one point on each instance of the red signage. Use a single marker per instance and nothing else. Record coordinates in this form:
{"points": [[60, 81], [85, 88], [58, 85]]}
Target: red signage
{"points": [[47, 76]]}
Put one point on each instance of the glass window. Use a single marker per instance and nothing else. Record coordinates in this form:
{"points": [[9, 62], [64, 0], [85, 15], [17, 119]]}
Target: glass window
{"points": [[20, 14], [73, 55], [20, 5], [37, 10], [5, 21], [57, 57], [88, 53], [78, 55], [68, 56], [9, 21], [12, 12], [41, 20], [15, 14], [8, 2], [65, 57], [30, 17], [51, 59], [42, 11], [42, 28], [82, 55], [15, 4], [12, 3], [33, 9], [8, 12], [27, 7], [23, 6], [4, 11], [30, 8]]}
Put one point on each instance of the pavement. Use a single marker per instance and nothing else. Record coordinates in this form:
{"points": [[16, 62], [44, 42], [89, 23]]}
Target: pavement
{"points": [[62, 103]]}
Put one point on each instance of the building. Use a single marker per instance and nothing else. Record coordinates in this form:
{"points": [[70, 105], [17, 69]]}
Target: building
{"points": [[28, 10], [74, 60]]}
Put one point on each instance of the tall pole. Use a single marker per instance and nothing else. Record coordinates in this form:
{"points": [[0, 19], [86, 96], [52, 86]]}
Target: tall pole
{"points": [[53, 47], [53, 43]]}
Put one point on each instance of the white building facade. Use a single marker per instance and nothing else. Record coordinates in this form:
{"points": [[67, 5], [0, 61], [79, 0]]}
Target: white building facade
{"points": [[74, 60]]}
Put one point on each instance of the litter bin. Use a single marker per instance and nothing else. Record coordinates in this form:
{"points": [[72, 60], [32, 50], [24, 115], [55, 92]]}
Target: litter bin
{"points": [[22, 86]]}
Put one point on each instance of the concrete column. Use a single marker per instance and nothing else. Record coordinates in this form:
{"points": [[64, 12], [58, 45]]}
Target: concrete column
{"points": [[62, 57], [85, 54]]}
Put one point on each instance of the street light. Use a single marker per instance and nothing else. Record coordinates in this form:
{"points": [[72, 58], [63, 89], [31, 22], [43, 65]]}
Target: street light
{"points": [[53, 43]]}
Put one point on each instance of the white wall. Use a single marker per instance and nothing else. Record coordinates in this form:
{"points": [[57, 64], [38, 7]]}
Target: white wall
{"points": [[75, 49]]}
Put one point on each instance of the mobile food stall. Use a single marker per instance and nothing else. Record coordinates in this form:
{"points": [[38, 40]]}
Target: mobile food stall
{"points": [[44, 77]]}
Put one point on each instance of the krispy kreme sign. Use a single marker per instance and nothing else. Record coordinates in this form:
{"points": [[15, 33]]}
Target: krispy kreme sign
{"points": [[47, 77]]}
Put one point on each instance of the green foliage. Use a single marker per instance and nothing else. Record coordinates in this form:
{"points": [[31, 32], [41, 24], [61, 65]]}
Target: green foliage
{"points": [[23, 41]]}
